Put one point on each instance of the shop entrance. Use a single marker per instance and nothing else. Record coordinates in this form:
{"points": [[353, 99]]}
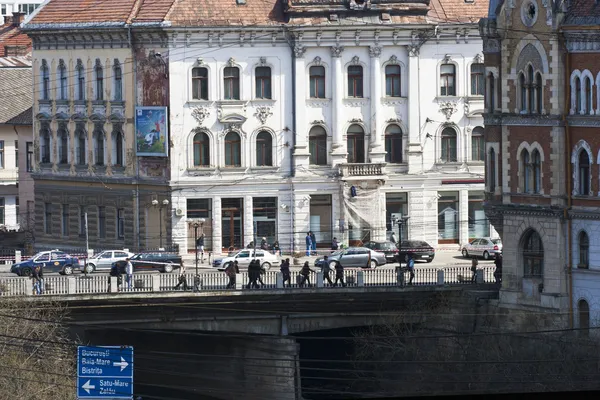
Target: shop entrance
{"points": [[232, 223]]}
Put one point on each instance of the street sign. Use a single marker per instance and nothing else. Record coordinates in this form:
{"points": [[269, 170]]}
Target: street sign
{"points": [[105, 372]]}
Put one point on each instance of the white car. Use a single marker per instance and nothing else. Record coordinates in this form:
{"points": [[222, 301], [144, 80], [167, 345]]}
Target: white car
{"points": [[103, 261], [243, 257], [482, 247]]}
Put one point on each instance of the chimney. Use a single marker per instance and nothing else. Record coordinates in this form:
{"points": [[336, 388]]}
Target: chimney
{"points": [[7, 19], [17, 18]]}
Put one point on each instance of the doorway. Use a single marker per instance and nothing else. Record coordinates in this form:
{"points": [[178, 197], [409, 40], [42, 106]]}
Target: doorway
{"points": [[321, 219], [232, 223]]}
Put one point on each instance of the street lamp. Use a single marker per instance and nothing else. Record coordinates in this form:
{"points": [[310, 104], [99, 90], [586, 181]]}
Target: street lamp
{"points": [[400, 222], [155, 203], [197, 223]]}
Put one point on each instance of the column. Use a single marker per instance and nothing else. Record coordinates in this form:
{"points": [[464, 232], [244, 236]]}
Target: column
{"points": [[301, 153], [377, 151], [337, 87], [248, 220], [217, 239], [463, 216], [415, 148]]}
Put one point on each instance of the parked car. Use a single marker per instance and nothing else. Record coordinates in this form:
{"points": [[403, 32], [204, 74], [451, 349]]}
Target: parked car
{"points": [[162, 261], [485, 247], [243, 257], [355, 257], [50, 261], [419, 249], [103, 261], [388, 248]]}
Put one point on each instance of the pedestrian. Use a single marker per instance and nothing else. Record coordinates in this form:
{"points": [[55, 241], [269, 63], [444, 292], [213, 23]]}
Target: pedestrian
{"points": [[36, 280], [231, 271], [393, 238], [498, 271], [253, 274], [115, 273], [285, 272], [182, 280], [410, 265], [305, 273], [313, 242], [200, 247], [339, 274], [250, 245], [325, 270], [335, 245], [275, 248], [308, 244], [263, 244], [129, 272], [474, 264], [261, 271]]}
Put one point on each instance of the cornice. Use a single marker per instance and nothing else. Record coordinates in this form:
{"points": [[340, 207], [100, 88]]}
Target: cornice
{"points": [[582, 42], [522, 120], [584, 121], [525, 210]]}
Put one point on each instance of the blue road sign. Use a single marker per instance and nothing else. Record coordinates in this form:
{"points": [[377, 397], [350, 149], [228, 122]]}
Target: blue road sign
{"points": [[105, 372]]}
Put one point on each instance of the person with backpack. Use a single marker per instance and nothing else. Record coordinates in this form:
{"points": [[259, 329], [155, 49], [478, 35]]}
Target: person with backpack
{"points": [[285, 272], [325, 270], [410, 265], [474, 264], [339, 274], [231, 271], [305, 273]]}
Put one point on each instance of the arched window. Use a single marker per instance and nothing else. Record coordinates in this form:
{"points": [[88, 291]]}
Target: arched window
{"points": [[99, 145], [448, 145], [118, 81], [355, 81], [201, 150], [523, 93], [317, 144], [584, 173], [231, 81], [45, 73], [584, 317], [536, 170], [356, 144], [584, 250], [477, 71], [491, 95], [587, 103], [81, 144], [530, 90], [477, 144], [393, 144], [392, 81], [63, 143], [317, 82], [264, 149], [533, 255], [45, 136], [578, 108], [263, 82], [200, 83], [233, 150], [80, 73], [99, 78], [117, 145], [538, 93], [492, 171], [62, 81]]}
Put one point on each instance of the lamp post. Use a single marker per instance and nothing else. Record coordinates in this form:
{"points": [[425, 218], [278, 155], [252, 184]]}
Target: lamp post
{"points": [[197, 223], [155, 203], [400, 222]]}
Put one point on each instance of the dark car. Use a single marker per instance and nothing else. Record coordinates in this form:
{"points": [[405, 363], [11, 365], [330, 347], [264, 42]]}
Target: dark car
{"points": [[156, 261], [388, 248], [419, 249], [50, 261]]}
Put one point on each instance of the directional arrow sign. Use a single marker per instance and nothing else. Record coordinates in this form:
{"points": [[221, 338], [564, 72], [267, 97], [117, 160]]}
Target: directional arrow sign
{"points": [[105, 372]]}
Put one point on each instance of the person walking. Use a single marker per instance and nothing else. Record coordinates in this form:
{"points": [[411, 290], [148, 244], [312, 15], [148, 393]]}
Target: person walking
{"points": [[129, 272], [305, 273], [393, 238], [182, 280], [36, 280], [263, 244], [253, 274], [285, 272], [325, 270], [275, 247], [308, 244], [410, 265], [474, 264], [339, 274], [313, 243], [261, 271], [231, 271], [498, 270], [200, 247], [335, 244]]}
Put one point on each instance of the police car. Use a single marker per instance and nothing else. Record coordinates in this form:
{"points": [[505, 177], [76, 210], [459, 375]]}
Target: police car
{"points": [[50, 261]]}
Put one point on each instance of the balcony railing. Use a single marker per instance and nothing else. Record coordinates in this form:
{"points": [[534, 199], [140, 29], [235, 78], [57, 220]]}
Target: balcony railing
{"points": [[348, 170]]}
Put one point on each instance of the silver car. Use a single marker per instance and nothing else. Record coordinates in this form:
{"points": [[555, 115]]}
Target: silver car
{"points": [[485, 247], [103, 261], [355, 257], [243, 257]]}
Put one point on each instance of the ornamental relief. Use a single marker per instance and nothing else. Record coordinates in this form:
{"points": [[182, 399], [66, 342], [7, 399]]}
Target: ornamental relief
{"points": [[200, 114], [263, 113], [393, 101], [318, 103]]}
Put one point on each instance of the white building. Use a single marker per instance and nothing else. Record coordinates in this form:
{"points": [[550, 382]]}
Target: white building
{"points": [[8, 7], [336, 118]]}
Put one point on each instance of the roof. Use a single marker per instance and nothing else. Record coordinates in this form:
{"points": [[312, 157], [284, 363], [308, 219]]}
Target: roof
{"points": [[226, 12], [15, 61], [583, 12], [458, 11], [17, 96], [11, 36], [92, 12]]}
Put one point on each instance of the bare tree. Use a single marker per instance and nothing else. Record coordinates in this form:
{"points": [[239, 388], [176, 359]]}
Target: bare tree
{"points": [[37, 358]]}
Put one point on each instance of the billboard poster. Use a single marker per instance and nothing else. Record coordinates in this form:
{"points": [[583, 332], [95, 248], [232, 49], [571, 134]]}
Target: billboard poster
{"points": [[151, 135]]}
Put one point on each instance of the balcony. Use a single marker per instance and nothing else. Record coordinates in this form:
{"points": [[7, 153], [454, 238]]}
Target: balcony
{"points": [[362, 171]]}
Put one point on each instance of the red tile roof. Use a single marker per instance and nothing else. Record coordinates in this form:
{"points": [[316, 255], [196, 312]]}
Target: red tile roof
{"points": [[450, 11], [226, 12], [11, 36]]}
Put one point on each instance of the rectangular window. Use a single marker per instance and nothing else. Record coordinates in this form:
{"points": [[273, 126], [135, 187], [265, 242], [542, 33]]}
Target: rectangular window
{"points": [[200, 83], [318, 150], [392, 81], [118, 83], [479, 225], [199, 208], [17, 212], [477, 74], [121, 223], [355, 81], [99, 86], [29, 149], [82, 221], [65, 220], [448, 217], [263, 82], [48, 218], [2, 210], [317, 82], [447, 80], [265, 218], [3, 9], [477, 148], [231, 81], [1, 153], [396, 207], [80, 83], [101, 222], [16, 154]]}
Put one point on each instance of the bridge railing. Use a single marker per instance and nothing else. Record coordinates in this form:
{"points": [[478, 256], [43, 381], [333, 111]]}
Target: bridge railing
{"points": [[158, 282]]}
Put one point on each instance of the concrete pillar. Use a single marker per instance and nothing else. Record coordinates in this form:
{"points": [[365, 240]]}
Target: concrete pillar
{"points": [[320, 283], [249, 221], [217, 240], [440, 277], [301, 152], [17, 256], [463, 217], [156, 282], [113, 284], [360, 278], [279, 280], [377, 151], [71, 285], [479, 276], [415, 150]]}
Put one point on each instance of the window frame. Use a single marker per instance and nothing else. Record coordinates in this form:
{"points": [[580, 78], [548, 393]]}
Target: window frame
{"points": [[63, 145], [317, 82], [530, 253], [231, 83], [81, 151], [65, 220], [101, 222], [2, 148], [45, 80], [355, 74], [117, 81], [391, 79], [200, 83], [263, 83], [477, 152], [120, 223], [29, 156], [389, 140], [477, 79], [81, 84], [264, 149], [584, 250], [63, 81], [202, 147], [444, 80], [358, 138], [448, 134], [583, 172], [45, 145], [99, 81], [319, 142], [230, 153]]}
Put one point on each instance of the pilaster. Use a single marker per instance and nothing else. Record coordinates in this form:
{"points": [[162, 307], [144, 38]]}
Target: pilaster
{"points": [[377, 151], [301, 151], [216, 225], [338, 153], [248, 220], [415, 149]]}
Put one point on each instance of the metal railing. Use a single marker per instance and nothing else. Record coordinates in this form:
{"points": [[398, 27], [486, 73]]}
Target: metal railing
{"points": [[159, 282]]}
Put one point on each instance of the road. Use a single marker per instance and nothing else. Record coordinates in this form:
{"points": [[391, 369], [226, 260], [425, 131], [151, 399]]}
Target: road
{"points": [[443, 258]]}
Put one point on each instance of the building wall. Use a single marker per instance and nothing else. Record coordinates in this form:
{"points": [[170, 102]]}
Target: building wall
{"points": [[9, 191], [26, 183]]}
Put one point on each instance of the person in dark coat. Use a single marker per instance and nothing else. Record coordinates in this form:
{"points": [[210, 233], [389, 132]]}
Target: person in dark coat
{"points": [[313, 243], [253, 274], [308, 244], [263, 244], [339, 274], [498, 271], [231, 271], [276, 249], [285, 272], [325, 270], [305, 273]]}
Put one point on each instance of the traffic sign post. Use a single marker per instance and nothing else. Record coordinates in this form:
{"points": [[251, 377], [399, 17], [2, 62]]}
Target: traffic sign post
{"points": [[105, 372]]}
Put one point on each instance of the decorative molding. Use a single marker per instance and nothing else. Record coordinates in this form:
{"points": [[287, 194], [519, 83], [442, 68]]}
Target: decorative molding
{"points": [[448, 108], [446, 59], [263, 113], [531, 120], [394, 121], [478, 59], [232, 127], [299, 51], [318, 103], [336, 51], [357, 37], [393, 101], [319, 36], [583, 121], [355, 60], [413, 51], [318, 122], [356, 102], [317, 61], [393, 60], [263, 62], [200, 114], [231, 62], [355, 120]]}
